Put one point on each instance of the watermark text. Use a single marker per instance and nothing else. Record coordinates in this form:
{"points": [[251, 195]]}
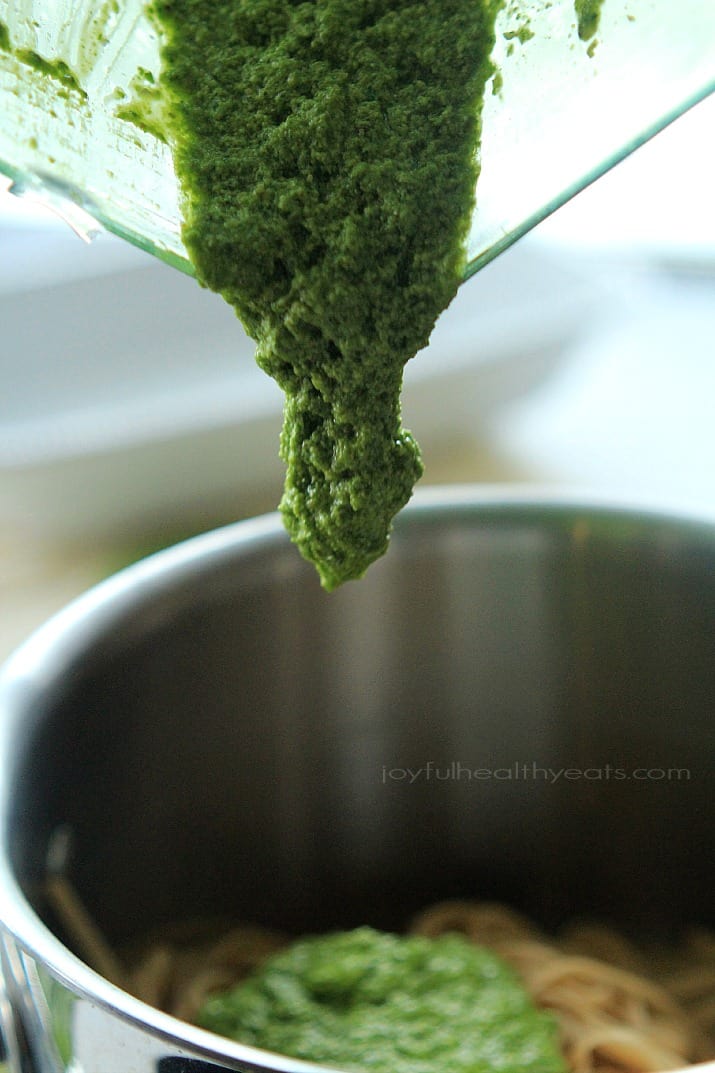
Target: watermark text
{"points": [[529, 771]]}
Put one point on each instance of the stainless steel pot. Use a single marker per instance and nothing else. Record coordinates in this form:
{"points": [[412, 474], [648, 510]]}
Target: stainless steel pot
{"points": [[516, 703]]}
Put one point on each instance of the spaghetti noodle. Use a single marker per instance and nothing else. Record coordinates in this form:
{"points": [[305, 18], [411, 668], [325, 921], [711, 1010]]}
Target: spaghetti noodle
{"points": [[612, 1014], [619, 1009]]}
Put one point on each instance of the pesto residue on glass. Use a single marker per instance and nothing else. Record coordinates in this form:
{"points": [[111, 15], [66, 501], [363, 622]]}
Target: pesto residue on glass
{"points": [[588, 16], [367, 1000], [55, 69], [326, 152], [143, 105]]}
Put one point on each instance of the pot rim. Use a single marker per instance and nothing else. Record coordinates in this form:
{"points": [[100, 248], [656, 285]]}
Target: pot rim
{"points": [[70, 631]]}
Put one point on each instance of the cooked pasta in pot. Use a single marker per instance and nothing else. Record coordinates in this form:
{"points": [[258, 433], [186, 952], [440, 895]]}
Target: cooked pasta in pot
{"points": [[616, 1011], [619, 1008]]}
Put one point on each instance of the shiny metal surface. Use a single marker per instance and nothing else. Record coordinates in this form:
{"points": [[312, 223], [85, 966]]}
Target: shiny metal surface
{"points": [[209, 732]]}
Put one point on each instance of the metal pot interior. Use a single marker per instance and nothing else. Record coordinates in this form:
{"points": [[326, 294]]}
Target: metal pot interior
{"points": [[230, 740]]}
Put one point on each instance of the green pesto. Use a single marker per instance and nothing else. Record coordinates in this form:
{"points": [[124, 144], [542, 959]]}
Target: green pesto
{"points": [[327, 154], [145, 106], [588, 15], [522, 35], [4, 38], [367, 1000], [56, 69]]}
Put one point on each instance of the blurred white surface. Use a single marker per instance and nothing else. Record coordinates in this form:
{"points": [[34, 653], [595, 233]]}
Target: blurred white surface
{"points": [[631, 415], [657, 203]]}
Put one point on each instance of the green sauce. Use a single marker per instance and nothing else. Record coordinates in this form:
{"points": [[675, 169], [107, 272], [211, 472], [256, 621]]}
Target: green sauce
{"points": [[588, 16], [145, 106], [326, 151], [366, 1000], [57, 70]]}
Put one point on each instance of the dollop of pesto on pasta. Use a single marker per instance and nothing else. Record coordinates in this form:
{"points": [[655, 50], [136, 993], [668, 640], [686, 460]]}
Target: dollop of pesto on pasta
{"points": [[370, 1000]]}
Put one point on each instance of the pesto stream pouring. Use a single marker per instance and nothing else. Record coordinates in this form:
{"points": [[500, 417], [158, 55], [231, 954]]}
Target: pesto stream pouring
{"points": [[327, 153]]}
